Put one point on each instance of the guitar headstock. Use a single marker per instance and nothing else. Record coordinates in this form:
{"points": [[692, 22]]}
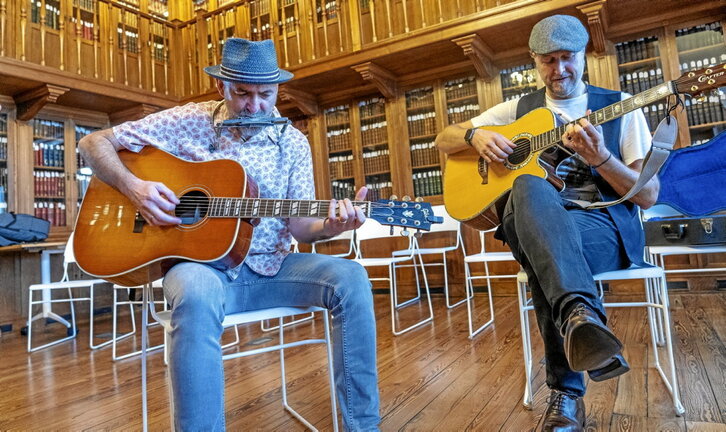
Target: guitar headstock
{"points": [[700, 81], [408, 214]]}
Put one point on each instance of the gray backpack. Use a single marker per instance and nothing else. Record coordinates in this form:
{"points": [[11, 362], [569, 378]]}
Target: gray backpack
{"points": [[22, 228]]}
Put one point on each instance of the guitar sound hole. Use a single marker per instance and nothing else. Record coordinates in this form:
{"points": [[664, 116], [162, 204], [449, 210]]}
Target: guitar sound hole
{"points": [[193, 207], [521, 152]]}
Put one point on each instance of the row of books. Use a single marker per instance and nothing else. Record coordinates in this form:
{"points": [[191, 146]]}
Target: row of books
{"points": [[47, 129], [639, 49], [379, 190], [82, 181], [48, 154], [460, 88], [3, 148], [640, 81], [289, 24], [701, 63], [422, 124], [419, 98], [426, 183], [424, 154], [341, 167], [53, 212], [262, 32], [331, 9], [337, 115], [517, 94], [698, 36], [339, 139], [49, 184], [130, 38], [4, 177], [259, 7], [518, 75], [85, 4], [343, 189], [376, 161], [372, 107], [374, 133], [710, 111], [3, 123], [462, 113], [654, 114], [52, 14]]}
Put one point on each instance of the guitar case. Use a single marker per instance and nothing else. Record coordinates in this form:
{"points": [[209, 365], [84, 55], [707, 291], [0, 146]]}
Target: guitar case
{"points": [[692, 182]]}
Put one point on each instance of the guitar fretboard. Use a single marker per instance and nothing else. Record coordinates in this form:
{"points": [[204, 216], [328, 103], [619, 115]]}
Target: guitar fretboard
{"points": [[267, 207], [610, 112]]}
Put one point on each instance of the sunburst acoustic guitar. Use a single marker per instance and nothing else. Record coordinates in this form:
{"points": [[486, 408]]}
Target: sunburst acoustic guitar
{"points": [[474, 190], [219, 204]]}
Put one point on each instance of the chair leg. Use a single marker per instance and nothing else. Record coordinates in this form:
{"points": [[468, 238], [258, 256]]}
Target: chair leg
{"points": [[293, 322], [446, 286], [70, 325], [285, 404], [393, 288], [470, 300], [672, 381], [418, 285], [526, 344], [331, 372]]}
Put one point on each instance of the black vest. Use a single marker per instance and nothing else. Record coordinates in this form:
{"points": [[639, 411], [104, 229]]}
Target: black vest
{"points": [[625, 215]]}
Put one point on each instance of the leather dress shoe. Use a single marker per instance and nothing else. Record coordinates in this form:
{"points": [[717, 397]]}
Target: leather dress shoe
{"points": [[615, 367], [565, 413], [589, 344]]}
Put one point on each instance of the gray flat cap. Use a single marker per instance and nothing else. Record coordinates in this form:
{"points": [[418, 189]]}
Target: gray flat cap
{"points": [[558, 33]]}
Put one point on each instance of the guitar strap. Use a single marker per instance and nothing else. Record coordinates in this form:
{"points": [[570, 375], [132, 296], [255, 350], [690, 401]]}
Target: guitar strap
{"points": [[663, 141]]}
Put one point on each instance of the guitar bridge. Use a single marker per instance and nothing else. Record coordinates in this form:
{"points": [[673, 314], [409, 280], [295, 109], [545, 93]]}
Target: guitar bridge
{"points": [[139, 223], [483, 170]]}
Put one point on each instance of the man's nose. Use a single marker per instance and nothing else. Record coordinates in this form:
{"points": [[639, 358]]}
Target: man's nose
{"points": [[253, 105]]}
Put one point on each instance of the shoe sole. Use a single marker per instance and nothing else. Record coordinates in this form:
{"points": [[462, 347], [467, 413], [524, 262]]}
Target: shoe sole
{"points": [[590, 346], [601, 375]]}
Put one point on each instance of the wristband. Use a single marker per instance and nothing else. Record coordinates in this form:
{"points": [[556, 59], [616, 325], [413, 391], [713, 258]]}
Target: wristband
{"points": [[603, 162]]}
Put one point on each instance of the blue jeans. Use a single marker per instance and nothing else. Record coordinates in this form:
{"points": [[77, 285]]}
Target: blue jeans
{"points": [[200, 296], [560, 246]]}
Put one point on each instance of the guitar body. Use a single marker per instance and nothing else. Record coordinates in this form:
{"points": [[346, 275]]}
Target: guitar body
{"points": [[111, 242], [475, 191]]}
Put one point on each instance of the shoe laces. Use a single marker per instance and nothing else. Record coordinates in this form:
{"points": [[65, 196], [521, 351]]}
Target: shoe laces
{"points": [[556, 401]]}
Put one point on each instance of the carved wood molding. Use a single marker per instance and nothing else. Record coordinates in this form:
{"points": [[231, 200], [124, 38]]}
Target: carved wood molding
{"points": [[30, 102], [384, 80], [305, 102], [480, 55], [598, 23], [136, 112]]}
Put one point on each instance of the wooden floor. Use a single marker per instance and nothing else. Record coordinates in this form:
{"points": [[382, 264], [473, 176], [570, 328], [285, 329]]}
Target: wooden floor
{"points": [[433, 378]]}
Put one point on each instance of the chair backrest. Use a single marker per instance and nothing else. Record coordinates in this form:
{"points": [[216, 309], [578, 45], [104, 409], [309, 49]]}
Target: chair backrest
{"points": [[346, 235], [449, 225], [68, 256], [483, 239], [294, 246], [371, 230]]}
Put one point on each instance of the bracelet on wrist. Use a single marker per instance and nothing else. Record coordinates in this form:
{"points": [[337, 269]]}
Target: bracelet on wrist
{"points": [[603, 162]]}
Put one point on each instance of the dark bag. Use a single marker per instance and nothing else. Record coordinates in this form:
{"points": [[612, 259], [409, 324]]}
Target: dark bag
{"points": [[684, 231], [22, 228]]}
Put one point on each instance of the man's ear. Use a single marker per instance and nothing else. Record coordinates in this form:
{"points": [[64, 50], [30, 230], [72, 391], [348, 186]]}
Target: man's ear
{"points": [[220, 87]]}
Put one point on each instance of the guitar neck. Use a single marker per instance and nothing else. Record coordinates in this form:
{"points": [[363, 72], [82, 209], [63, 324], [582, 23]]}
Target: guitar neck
{"points": [[277, 208], [611, 112]]}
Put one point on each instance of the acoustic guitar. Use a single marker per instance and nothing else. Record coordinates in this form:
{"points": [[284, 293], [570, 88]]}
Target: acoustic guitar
{"points": [[218, 207], [475, 191]]}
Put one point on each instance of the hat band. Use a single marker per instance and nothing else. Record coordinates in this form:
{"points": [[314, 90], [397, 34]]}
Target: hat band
{"points": [[250, 76]]}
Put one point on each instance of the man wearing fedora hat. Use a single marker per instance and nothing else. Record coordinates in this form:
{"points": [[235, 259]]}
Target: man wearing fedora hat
{"points": [[559, 244], [200, 294]]}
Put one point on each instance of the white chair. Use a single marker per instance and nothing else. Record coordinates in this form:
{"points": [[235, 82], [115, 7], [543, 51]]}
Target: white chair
{"points": [[372, 230], [483, 257], [65, 284], [347, 235], [131, 303], [449, 225], [656, 302], [279, 313]]}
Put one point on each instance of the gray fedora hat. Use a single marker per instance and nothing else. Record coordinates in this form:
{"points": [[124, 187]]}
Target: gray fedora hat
{"points": [[558, 33], [250, 62]]}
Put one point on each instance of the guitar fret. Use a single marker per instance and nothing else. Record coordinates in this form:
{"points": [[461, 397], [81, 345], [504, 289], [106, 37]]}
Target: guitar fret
{"points": [[237, 207]]}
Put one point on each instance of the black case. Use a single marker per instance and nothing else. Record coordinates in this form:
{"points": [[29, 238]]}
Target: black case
{"points": [[704, 230]]}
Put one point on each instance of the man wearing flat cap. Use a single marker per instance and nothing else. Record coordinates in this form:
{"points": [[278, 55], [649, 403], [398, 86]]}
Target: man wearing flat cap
{"points": [[200, 294], [560, 244]]}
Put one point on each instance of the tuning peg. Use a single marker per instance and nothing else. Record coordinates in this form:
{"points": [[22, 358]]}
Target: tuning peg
{"points": [[391, 232], [418, 234], [419, 199], [701, 98], [406, 198], [393, 197], [405, 233]]}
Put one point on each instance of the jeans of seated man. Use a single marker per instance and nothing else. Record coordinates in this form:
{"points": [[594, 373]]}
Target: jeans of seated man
{"points": [[200, 296], [560, 246]]}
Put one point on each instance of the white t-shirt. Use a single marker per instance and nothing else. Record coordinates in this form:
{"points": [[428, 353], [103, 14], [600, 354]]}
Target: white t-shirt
{"points": [[635, 140]]}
